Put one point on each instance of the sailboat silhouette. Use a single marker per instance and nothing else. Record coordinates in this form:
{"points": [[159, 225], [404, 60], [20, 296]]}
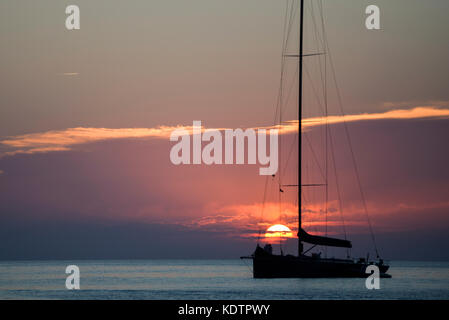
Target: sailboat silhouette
{"points": [[269, 265]]}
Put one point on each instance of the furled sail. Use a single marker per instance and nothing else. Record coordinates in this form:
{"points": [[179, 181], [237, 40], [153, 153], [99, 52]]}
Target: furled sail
{"points": [[323, 241]]}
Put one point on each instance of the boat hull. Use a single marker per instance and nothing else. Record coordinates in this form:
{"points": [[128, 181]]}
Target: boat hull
{"points": [[274, 266]]}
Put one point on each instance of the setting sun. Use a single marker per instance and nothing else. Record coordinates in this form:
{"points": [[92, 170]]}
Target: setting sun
{"points": [[278, 231]]}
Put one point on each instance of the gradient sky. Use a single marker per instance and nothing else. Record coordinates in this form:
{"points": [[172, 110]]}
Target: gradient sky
{"points": [[108, 189]]}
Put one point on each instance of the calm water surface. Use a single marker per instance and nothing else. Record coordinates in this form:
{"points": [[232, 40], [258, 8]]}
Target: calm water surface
{"points": [[208, 279]]}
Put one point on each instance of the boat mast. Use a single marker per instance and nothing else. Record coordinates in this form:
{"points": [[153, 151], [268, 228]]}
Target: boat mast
{"points": [[301, 27]]}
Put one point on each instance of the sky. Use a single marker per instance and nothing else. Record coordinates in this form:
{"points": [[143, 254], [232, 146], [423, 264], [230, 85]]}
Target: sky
{"points": [[86, 115]]}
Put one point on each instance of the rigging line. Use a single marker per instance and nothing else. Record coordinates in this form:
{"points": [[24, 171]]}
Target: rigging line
{"points": [[326, 130], [275, 114], [314, 154], [323, 41], [340, 203], [280, 100], [284, 47], [263, 208], [284, 44], [314, 227], [282, 65], [351, 149], [285, 25], [312, 13], [290, 90], [300, 108], [318, 41], [292, 18], [305, 133], [314, 90], [329, 133], [331, 143], [323, 175], [304, 199], [289, 154], [281, 106]]}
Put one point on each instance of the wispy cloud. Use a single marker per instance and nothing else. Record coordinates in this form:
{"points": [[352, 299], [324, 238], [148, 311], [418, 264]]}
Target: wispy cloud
{"points": [[440, 104], [69, 74], [252, 220], [400, 114], [415, 113], [63, 140]]}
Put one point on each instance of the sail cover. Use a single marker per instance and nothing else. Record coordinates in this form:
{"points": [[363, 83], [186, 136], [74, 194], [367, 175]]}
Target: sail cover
{"points": [[323, 241]]}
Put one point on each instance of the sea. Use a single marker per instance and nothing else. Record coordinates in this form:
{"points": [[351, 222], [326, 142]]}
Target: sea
{"points": [[208, 279]]}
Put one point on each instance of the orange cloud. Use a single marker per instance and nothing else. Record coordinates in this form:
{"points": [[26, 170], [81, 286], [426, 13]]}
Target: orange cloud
{"points": [[252, 220], [402, 114], [63, 140]]}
